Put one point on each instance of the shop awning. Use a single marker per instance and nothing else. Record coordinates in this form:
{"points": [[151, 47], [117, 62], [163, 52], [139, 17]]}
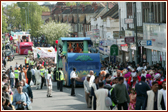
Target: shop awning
{"points": [[104, 56], [156, 48]]}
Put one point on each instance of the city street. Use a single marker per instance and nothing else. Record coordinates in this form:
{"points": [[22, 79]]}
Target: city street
{"points": [[59, 101]]}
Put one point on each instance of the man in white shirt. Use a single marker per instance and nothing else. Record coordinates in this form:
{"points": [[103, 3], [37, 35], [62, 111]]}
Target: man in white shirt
{"points": [[164, 91], [17, 65], [87, 89], [73, 77], [92, 78], [49, 84]]}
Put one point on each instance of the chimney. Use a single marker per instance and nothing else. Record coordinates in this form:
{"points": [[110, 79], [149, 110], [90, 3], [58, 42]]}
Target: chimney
{"points": [[71, 8], [95, 7], [93, 4], [83, 8]]}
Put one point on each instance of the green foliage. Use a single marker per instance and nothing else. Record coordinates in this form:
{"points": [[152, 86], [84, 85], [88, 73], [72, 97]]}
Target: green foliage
{"points": [[32, 11], [45, 9], [70, 3], [4, 22], [53, 31], [74, 3], [13, 11]]}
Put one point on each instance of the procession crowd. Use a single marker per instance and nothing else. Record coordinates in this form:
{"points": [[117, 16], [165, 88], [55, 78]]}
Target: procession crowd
{"points": [[127, 86], [21, 79], [119, 86]]}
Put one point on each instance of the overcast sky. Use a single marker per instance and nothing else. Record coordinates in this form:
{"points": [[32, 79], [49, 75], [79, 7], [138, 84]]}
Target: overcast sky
{"points": [[40, 3]]}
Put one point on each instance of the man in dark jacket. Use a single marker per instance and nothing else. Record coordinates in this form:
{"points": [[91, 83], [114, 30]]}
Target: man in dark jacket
{"points": [[29, 75], [112, 93], [141, 88]]}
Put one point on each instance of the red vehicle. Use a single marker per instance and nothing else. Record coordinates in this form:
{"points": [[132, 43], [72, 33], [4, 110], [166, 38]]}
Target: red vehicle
{"points": [[24, 44], [24, 47]]}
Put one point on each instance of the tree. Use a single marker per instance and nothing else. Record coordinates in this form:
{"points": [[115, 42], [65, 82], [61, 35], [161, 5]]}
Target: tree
{"points": [[74, 3], [70, 3], [45, 9], [33, 15], [13, 11], [4, 22], [53, 31]]}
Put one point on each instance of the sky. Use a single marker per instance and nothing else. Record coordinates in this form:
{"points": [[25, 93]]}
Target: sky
{"points": [[9, 3]]}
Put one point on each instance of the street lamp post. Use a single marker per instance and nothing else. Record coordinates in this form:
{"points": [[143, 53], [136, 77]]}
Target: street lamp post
{"points": [[26, 16], [135, 26], [77, 18]]}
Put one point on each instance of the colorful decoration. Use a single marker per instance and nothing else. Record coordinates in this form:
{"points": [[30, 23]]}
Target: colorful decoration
{"points": [[84, 58]]}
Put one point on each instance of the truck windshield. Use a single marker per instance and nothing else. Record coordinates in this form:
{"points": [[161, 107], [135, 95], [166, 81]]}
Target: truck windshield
{"points": [[83, 65]]}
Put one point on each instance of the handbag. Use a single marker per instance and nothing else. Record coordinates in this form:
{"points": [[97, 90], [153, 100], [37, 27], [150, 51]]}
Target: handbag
{"points": [[28, 107], [31, 83], [21, 107], [108, 101]]}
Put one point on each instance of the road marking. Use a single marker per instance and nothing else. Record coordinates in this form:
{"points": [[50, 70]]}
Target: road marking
{"points": [[68, 89], [80, 95]]}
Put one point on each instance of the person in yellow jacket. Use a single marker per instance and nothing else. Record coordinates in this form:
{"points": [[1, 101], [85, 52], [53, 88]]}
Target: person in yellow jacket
{"points": [[42, 70], [16, 72], [61, 79]]}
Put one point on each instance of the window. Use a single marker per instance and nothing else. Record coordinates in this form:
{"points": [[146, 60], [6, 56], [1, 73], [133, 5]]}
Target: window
{"points": [[25, 47]]}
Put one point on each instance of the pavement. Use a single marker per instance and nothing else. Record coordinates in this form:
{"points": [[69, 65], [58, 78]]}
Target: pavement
{"points": [[60, 100]]}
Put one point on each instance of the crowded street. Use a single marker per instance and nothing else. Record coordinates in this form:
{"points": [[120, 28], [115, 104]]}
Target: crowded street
{"points": [[83, 56], [66, 101]]}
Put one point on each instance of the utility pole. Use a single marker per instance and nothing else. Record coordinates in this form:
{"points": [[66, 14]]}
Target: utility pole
{"points": [[135, 26], [28, 13], [77, 18]]}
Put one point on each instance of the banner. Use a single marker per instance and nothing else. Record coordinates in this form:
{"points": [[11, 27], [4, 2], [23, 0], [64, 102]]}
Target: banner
{"points": [[44, 52]]}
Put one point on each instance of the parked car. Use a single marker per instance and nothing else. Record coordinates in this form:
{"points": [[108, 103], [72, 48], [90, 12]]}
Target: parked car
{"points": [[9, 54]]}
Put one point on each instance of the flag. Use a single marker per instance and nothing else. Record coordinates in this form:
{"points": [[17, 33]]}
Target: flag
{"points": [[38, 56], [11, 38]]}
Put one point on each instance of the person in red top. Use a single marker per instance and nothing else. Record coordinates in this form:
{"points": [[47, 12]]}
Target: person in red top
{"points": [[77, 50]]}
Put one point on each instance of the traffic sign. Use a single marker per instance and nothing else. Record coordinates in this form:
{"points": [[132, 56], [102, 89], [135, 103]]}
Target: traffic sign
{"points": [[149, 42], [129, 40], [145, 42], [114, 50]]}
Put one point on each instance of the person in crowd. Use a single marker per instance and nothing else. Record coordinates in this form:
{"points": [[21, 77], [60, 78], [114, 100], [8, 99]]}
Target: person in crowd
{"points": [[61, 79], [87, 90], [38, 78], [3, 102], [112, 93], [92, 78], [16, 72], [122, 94], [21, 100], [164, 91], [4, 80], [94, 87], [12, 76], [7, 105], [27, 89], [49, 84], [42, 76], [17, 65], [5, 91], [29, 75], [73, 77], [101, 94], [58, 81], [116, 79], [33, 75], [22, 75], [132, 97], [154, 99], [141, 89]]}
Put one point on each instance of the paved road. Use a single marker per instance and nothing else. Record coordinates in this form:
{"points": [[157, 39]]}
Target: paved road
{"points": [[60, 100]]}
